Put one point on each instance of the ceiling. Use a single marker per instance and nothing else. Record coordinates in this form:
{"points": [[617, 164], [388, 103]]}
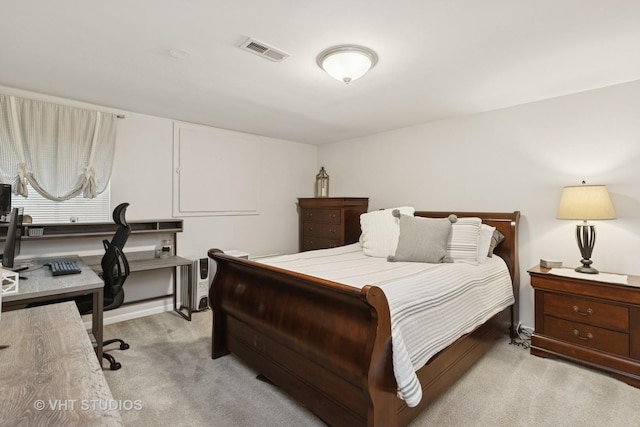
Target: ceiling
{"points": [[437, 58]]}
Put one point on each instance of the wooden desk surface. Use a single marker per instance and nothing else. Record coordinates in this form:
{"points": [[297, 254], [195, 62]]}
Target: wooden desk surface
{"points": [[41, 283], [49, 374], [141, 261], [41, 286]]}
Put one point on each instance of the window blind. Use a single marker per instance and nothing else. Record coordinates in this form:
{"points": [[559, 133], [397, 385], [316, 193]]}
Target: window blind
{"points": [[45, 211]]}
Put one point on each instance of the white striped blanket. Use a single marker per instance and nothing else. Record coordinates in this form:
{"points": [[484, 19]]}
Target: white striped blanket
{"points": [[431, 305]]}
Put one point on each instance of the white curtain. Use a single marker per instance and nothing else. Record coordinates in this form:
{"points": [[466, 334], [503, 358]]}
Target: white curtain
{"points": [[61, 151]]}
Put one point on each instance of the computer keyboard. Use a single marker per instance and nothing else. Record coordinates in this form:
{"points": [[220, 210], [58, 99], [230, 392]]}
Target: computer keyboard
{"points": [[59, 268]]}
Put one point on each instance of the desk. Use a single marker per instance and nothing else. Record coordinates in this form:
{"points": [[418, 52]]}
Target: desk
{"points": [[145, 261], [48, 372], [42, 286]]}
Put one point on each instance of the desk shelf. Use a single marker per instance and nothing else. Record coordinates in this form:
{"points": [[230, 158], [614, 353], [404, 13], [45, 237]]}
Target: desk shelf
{"points": [[91, 229], [146, 261], [140, 261]]}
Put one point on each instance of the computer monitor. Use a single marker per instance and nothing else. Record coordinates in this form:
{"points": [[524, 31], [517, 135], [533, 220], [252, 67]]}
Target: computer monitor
{"points": [[5, 199], [14, 237]]}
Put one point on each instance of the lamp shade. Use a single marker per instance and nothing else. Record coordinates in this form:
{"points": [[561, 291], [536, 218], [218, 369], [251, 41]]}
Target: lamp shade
{"points": [[347, 62], [586, 202]]}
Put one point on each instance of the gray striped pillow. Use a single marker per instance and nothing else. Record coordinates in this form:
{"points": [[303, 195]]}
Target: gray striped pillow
{"points": [[463, 240]]}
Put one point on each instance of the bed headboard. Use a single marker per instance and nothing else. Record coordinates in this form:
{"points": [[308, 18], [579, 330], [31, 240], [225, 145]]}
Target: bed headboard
{"points": [[507, 224]]}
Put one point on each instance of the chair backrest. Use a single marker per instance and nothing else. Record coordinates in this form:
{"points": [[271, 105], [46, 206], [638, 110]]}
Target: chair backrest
{"points": [[115, 267]]}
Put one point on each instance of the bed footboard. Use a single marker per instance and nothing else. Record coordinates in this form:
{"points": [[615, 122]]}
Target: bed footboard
{"points": [[326, 344]]}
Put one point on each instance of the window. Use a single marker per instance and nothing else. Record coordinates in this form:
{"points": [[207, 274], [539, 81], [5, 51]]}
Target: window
{"points": [[45, 211], [62, 151]]}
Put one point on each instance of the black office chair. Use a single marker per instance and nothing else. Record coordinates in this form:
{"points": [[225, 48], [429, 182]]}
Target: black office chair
{"points": [[115, 270]]}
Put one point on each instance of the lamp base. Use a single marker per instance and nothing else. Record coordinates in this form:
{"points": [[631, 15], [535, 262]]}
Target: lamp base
{"points": [[587, 270], [586, 237]]}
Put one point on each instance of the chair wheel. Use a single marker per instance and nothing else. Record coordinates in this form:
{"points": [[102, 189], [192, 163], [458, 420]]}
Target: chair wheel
{"points": [[124, 346], [113, 364]]}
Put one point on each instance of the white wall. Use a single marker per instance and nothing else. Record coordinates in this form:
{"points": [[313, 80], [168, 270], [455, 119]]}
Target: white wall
{"points": [[517, 158], [142, 176]]}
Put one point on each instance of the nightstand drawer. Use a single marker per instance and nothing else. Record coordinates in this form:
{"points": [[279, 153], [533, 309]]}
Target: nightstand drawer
{"points": [[587, 311], [329, 231], [587, 335], [329, 216], [311, 243]]}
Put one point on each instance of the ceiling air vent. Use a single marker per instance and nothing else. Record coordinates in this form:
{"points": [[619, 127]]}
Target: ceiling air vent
{"points": [[264, 50]]}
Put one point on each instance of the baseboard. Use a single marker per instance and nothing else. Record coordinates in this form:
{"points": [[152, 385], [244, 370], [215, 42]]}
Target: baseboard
{"points": [[133, 311]]}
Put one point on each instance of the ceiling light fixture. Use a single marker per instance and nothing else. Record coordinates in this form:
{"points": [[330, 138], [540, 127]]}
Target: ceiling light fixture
{"points": [[347, 62]]}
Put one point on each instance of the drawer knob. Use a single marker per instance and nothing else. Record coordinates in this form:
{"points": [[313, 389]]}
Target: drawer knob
{"points": [[309, 214], [577, 334], [332, 216], [309, 228], [583, 313], [333, 231]]}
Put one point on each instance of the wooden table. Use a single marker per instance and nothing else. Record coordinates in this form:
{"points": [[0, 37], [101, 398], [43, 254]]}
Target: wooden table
{"points": [[41, 286], [49, 374]]}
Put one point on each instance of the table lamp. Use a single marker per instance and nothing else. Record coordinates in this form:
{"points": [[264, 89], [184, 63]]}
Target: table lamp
{"points": [[586, 202]]}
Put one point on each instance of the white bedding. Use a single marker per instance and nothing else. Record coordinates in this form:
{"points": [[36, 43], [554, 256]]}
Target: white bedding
{"points": [[431, 305]]}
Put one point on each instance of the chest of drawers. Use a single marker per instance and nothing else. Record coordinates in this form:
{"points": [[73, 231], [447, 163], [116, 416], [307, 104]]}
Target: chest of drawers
{"points": [[588, 321], [330, 221]]}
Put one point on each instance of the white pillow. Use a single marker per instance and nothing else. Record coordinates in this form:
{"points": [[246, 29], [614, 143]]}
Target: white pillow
{"points": [[484, 242], [380, 231], [463, 240]]}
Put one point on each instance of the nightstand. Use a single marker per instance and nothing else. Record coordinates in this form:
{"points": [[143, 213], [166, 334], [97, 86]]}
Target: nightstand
{"points": [[328, 222], [588, 321]]}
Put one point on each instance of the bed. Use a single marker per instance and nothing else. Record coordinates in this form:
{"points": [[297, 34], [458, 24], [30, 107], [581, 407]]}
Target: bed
{"points": [[328, 345]]}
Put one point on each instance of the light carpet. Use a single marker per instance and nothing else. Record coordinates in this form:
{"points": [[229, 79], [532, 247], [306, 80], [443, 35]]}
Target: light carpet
{"points": [[168, 379]]}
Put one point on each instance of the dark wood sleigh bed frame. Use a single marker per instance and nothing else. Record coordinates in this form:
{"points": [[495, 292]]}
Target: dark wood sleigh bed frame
{"points": [[329, 345]]}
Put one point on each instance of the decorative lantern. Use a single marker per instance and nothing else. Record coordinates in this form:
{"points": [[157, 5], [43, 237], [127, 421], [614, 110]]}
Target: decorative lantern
{"points": [[322, 183]]}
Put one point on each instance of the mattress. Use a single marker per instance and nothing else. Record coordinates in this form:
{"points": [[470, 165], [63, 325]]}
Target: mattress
{"points": [[431, 305]]}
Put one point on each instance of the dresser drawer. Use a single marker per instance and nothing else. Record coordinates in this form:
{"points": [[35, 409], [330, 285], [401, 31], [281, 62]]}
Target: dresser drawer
{"points": [[328, 216], [328, 231], [587, 335], [328, 222], [311, 243], [587, 311]]}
